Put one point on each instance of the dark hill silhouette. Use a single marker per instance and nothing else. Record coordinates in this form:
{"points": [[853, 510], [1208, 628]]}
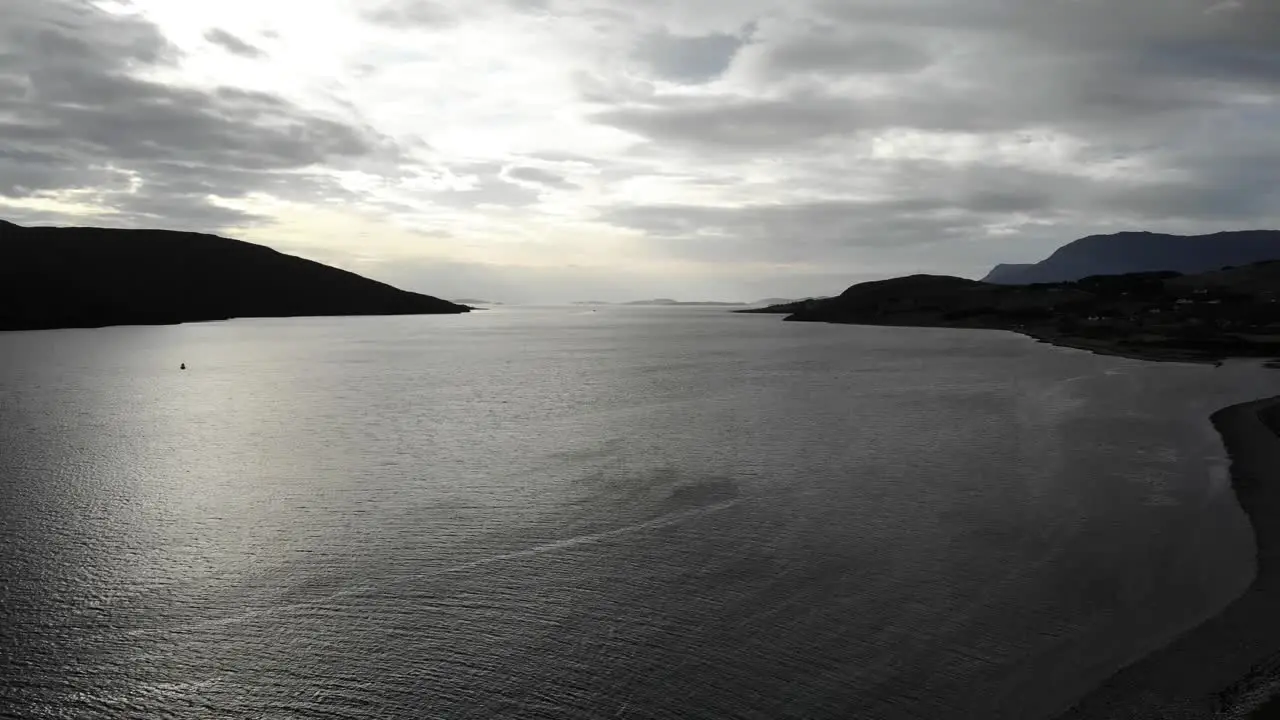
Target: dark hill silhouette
{"points": [[876, 301], [1130, 252], [93, 277]]}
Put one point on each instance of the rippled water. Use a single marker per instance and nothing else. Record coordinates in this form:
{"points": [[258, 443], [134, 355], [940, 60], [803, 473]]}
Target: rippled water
{"points": [[633, 513]]}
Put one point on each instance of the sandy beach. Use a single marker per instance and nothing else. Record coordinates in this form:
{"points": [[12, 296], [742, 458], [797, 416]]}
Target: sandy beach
{"points": [[1228, 666]]}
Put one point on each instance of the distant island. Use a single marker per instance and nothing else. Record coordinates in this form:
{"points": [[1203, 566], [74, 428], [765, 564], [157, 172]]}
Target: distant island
{"points": [[1131, 252], [473, 301], [1160, 315], [81, 277]]}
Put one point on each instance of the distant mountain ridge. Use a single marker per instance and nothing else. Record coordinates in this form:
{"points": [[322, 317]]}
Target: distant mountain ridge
{"points": [[1007, 272], [54, 277], [1132, 252]]}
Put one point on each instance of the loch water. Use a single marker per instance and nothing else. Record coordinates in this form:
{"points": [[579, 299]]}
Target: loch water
{"points": [[623, 513]]}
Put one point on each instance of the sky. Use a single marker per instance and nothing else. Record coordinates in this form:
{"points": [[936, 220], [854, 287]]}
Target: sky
{"points": [[560, 150]]}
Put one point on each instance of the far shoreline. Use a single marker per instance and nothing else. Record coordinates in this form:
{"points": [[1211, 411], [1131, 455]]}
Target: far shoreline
{"points": [[1148, 354], [1110, 348]]}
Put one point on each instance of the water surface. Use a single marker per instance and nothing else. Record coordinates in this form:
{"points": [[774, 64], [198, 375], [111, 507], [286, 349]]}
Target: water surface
{"points": [[636, 513]]}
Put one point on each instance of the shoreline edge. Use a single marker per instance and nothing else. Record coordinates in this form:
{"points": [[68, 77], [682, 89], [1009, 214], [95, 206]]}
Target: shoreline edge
{"points": [[1228, 666]]}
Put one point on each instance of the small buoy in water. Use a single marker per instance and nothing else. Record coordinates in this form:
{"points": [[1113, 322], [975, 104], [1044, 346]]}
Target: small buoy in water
{"points": [[183, 366]]}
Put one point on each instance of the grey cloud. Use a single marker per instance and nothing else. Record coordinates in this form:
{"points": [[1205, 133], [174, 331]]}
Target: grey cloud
{"points": [[194, 212], [834, 231], [529, 5], [1080, 25], [233, 44], [687, 59], [411, 13], [1088, 67], [1005, 201], [795, 121], [942, 216], [541, 177], [557, 156], [27, 173], [85, 120], [434, 14], [1218, 189], [736, 121], [1198, 60], [833, 52], [1017, 99], [488, 187], [1141, 39], [1189, 96]]}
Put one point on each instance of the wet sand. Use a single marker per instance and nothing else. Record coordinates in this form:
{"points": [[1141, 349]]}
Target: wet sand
{"points": [[1228, 666]]}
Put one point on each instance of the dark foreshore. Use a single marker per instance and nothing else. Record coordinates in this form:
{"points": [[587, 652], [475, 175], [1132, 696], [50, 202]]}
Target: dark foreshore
{"points": [[1229, 665]]}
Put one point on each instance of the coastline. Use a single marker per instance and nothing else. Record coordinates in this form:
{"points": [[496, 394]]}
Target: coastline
{"points": [[1229, 665], [1102, 347], [1098, 346]]}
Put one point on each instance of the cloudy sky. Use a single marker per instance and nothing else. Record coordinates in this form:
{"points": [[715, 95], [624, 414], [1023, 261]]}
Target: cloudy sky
{"points": [[553, 150]]}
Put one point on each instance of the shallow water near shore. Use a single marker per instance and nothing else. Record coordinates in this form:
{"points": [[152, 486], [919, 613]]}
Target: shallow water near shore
{"points": [[635, 512]]}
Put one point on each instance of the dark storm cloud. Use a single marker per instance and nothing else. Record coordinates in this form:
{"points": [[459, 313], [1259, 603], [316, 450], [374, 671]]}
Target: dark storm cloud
{"points": [[233, 44], [687, 59], [76, 115]]}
